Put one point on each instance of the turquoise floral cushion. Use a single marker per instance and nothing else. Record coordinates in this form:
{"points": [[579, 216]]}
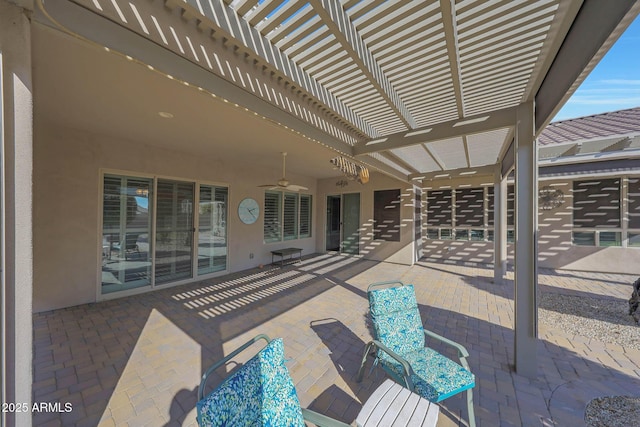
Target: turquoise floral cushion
{"points": [[396, 319], [259, 393], [435, 377], [398, 325]]}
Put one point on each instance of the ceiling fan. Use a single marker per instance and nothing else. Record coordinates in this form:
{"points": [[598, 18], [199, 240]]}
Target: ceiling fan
{"points": [[283, 183]]}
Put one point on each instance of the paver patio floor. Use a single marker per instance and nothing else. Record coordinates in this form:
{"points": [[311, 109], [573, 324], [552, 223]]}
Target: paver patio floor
{"points": [[137, 361]]}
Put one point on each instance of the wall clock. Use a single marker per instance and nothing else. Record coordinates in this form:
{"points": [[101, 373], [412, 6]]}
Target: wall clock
{"points": [[248, 211]]}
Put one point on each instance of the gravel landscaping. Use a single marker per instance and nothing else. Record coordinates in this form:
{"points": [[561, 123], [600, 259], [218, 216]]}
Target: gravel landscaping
{"points": [[603, 319], [615, 411]]}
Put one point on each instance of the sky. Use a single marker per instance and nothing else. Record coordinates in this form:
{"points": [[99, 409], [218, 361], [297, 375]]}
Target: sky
{"points": [[614, 84]]}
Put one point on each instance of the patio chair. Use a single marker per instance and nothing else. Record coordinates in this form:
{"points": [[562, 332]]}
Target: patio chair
{"points": [[259, 392], [130, 245], [401, 351]]}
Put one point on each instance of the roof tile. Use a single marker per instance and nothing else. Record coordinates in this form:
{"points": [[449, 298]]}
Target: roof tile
{"points": [[620, 122]]}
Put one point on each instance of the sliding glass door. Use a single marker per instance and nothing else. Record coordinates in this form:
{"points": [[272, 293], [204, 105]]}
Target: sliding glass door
{"points": [[212, 229], [174, 231], [158, 231], [343, 223], [126, 227], [351, 223]]}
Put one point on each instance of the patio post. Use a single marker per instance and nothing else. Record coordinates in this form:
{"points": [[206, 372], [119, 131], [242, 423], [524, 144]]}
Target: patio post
{"points": [[16, 197], [499, 226], [526, 248]]}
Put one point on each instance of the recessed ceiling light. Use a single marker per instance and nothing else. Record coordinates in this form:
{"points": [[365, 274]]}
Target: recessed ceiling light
{"points": [[165, 115]]}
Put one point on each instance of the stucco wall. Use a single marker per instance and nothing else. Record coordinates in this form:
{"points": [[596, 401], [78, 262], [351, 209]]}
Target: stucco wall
{"points": [[67, 205], [555, 249], [16, 145], [401, 252]]}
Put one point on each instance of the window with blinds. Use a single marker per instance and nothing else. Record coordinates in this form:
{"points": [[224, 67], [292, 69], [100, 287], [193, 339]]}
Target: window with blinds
{"points": [[386, 215], [305, 215], [290, 217], [596, 203], [287, 216], [511, 202], [633, 196], [272, 213], [439, 208], [470, 207], [491, 206], [511, 205]]}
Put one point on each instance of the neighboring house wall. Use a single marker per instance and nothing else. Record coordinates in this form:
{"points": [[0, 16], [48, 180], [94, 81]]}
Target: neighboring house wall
{"points": [[67, 207], [555, 247], [402, 252], [456, 251]]}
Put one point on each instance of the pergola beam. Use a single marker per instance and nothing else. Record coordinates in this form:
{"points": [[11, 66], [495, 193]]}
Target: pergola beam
{"points": [[222, 17], [383, 167], [339, 24], [457, 128], [454, 173], [451, 36]]}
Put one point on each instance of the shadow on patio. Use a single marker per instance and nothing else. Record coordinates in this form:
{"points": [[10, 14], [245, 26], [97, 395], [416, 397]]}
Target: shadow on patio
{"points": [[138, 360]]}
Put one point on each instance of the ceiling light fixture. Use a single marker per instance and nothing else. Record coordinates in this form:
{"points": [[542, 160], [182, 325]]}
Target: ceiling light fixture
{"points": [[165, 115]]}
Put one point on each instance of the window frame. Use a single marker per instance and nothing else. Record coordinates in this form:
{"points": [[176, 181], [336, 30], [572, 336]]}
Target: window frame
{"points": [[281, 221], [451, 230], [627, 235]]}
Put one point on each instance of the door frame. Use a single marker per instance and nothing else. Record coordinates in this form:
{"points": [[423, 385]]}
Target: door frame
{"points": [[326, 224], [196, 201]]}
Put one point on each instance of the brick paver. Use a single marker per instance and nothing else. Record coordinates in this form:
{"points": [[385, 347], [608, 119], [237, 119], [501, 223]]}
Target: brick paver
{"points": [[138, 360]]}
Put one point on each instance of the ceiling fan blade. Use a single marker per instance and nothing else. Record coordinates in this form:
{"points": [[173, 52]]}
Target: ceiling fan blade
{"points": [[283, 184], [292, 187]]}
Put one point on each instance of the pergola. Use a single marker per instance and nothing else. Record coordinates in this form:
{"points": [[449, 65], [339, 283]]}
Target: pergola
{"points": [[417, 90]]}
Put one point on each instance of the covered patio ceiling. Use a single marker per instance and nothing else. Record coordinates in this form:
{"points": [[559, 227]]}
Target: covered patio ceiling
{"points": [[415, 89]]}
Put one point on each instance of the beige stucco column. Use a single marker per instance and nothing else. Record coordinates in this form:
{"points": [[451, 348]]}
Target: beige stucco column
{"points": [[526, 245], [16, 133]]}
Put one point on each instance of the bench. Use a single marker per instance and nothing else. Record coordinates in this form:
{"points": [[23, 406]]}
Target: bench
{"points": [[284, 252]]}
